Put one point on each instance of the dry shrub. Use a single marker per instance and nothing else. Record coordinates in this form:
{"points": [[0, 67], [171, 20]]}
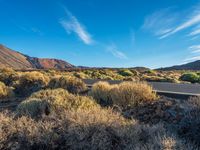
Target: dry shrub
{"points": [[30, 82], [8, 76], [189, 126], [85, 129], [126, 94], [101, 93], [72, 84], [61, 97], [33, 108], [5, 91]]}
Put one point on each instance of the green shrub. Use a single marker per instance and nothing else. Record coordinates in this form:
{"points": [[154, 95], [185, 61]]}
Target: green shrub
{"points": [[125, 72], [190, 77], [152, 72], [72, 84], [30, 82], [80, 75], [5, 91]]}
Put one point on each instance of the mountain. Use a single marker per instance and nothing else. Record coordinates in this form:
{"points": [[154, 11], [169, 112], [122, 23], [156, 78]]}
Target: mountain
{"points": [[189, 66], [16, 60]]}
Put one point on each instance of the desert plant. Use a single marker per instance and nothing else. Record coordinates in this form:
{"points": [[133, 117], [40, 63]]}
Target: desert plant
{"points": [[72, 84], [128, 94], [125, 72], [8, 76], [101, 93], [33, 108], [30, 82], [5, 91], [95, 128], [62, 98], [190, 77], [80, 75]]}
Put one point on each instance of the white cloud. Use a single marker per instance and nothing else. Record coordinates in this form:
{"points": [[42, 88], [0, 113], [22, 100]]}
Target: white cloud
{"points": [[193, 20], [194, 48], [160, 22], [115, 52], [73, 25], [192, 59], [195, 31]]}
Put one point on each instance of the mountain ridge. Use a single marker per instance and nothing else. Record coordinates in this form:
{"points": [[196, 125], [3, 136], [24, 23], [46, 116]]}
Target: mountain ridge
{"points": [[17, 60], [188, 66]]}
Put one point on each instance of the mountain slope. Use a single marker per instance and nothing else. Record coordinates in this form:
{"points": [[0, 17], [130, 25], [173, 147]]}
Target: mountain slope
{"points": [[16, 60], [189, 66]]}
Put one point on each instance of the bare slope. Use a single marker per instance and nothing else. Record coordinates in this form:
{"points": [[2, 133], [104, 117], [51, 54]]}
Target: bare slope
{"points": [[16, 60]]}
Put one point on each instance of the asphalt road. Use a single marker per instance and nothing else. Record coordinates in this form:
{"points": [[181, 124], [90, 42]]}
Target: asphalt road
{"points": [[163, 87]]}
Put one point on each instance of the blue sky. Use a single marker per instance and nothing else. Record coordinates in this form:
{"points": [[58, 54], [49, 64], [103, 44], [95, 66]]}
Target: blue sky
{"points": [[104, 33]]}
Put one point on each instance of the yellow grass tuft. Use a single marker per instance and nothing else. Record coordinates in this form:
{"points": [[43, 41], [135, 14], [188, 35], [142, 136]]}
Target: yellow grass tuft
{"points": [[72, 84], [5, 91], [126, 94]]}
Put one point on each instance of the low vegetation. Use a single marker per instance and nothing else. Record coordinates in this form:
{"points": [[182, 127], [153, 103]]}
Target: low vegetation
{"points": [[127, 94], [54, 110], [72, 84], [5, 91], [94, 128], [190, 77], [30, 82]]}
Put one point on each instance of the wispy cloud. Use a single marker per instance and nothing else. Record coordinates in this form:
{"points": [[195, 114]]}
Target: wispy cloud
{"points": [[195, 31], [195, 19], [194, 48], [165, 22], [192, 59], [194, 54], [37, 31], [112, 48], [160, 22], [72, 24]]}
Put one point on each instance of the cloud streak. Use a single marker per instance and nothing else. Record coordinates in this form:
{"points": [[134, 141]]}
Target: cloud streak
{"points": [[195, 19], [72, 25], [115, 52], [164, 23], [160, 22]]}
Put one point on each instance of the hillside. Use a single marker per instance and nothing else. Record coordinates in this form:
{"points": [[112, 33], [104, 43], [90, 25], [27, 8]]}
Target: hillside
{"points": [[16, 60], [189, 66]]}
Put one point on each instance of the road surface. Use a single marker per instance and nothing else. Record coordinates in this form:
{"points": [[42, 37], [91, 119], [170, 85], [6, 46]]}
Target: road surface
{"points": [[162, 87]]}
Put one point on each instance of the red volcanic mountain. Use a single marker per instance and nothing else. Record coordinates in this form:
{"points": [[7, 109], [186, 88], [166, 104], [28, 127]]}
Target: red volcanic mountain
{"points": [[16, 60]]}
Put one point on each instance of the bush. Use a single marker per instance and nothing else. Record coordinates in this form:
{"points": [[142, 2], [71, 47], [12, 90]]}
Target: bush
{"points": [[33, 108], [5, 91], [31, 82], [101, 93], [151, 72], [85, 129], [81, 75], [62, 98], [126, 94], [72, 84], [189, 126], [8, 76], [129, 94], [125, 72], [190, 77]]}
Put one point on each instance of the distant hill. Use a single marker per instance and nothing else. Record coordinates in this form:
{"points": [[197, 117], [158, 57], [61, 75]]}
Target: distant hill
{"points": [[189, 66], [16, 60]]}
